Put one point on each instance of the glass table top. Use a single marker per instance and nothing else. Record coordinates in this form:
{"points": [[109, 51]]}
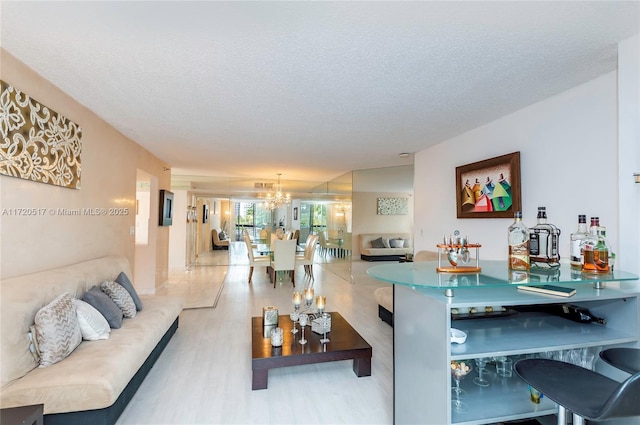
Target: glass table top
{"points": [[493, 273]]}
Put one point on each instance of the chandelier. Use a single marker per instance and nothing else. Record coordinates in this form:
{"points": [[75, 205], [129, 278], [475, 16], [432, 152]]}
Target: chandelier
{"points": [[277, 199]]}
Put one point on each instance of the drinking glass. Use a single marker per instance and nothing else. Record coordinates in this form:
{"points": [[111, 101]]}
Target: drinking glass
{"points": [[294, 318], [479, 380], [504, 367], [458, 372]]}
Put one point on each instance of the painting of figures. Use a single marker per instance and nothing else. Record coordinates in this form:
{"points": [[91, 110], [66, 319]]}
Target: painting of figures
{"points": [[489, 188]]}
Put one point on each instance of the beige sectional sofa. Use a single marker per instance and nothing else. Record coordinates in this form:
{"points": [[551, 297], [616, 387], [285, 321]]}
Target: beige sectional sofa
{"points": [[95, 382], [368, 252]]}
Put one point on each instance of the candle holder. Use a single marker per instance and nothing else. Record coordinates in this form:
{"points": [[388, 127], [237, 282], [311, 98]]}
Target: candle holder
{"points": [[303, 322], [326, 318], [321, 302], [308, 296], [297, 300]]}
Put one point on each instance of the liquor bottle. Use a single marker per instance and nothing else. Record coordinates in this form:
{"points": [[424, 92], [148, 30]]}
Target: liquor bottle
{"points": [[543, 242], [576, 240], [588, 244], [601, 252], [518, 239]]}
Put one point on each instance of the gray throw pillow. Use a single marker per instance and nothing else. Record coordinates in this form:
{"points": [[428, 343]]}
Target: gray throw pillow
{"points": [[123, 280], [377, 243], [396, 243], [101, 302]]}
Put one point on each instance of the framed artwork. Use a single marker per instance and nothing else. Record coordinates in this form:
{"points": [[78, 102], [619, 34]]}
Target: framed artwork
{"points": [[205, 213], [489, 188], [393, 206], [295, 213], [166, 208]]}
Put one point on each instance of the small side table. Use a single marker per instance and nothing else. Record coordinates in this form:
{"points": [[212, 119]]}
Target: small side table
{"points": [[23, 415]]}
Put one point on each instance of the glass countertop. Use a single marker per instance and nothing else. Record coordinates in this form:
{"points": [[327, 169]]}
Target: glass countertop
{"points": [[493, 273]]}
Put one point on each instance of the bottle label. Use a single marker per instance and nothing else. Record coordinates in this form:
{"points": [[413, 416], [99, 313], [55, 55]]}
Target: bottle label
{"points": [[534, 244], [519, 256], [576, 253]]}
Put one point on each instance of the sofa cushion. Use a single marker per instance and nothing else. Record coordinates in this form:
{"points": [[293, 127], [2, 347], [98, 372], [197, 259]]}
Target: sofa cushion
{"points": [[57, 330], [101, 302], [396, 243], [120, 297], [124, 280], [378, 243], [93, 325]]}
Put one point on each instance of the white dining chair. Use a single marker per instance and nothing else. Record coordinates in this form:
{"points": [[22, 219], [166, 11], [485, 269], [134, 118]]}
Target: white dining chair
{"points": [[259, 261], [284, 259], [306, 260]]}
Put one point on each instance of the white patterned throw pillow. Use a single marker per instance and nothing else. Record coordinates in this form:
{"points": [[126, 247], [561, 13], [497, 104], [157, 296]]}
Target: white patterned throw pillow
{"points": [[120, 297], [92, 323], [57, 330]]}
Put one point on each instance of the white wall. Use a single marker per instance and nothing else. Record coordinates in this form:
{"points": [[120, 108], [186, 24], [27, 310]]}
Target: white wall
{"points": [[568, 148], [366, 219], [629, 153], [178, 231], [110, 162]]}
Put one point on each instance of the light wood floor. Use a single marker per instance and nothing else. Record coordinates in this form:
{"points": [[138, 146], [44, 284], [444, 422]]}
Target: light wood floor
{"points": [[204, 374]]}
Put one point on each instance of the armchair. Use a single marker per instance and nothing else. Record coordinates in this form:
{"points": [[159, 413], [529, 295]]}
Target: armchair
{"points": [[216, 243]]}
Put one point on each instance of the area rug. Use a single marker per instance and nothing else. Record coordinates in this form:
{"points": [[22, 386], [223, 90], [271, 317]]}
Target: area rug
{"points": [[200, 287]]}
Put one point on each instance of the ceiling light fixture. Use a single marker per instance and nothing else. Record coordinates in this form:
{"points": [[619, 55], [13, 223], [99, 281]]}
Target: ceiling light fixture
{"points": [[404, 155], [277, 199]]}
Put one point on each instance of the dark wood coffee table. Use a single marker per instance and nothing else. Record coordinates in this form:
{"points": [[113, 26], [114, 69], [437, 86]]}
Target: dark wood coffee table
{"points": [[345, 344]]}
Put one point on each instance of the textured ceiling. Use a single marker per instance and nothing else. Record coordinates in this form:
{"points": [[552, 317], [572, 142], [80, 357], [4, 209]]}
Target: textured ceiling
{"points": [[310, 89]]}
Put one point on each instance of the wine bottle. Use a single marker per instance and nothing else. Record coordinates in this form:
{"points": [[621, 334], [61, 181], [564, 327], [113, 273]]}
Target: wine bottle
{"points": [[578, 314], [568, 311]]}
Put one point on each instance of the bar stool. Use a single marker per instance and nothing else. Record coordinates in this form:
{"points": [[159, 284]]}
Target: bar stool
{"points": [[626, 359], [587, 394]]}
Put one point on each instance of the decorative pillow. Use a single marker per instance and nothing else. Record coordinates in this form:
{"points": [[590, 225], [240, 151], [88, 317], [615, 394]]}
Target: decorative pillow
{"points": [[123, 280], [396, 243], [93, 325], [377, 243], [120, 296], [222, 236], [33, 343], [385, 241], [101, 302], [406, 243], [57, 330]]}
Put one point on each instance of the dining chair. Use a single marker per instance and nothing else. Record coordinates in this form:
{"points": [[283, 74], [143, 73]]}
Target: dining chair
{"points": [[306, 259], [284, 259], [260, 261], [347, 243], [263, 234], [325, 245], [273, 240]]}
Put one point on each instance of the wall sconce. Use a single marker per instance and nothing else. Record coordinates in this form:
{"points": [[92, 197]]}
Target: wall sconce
{"points": [[636, 176]]}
